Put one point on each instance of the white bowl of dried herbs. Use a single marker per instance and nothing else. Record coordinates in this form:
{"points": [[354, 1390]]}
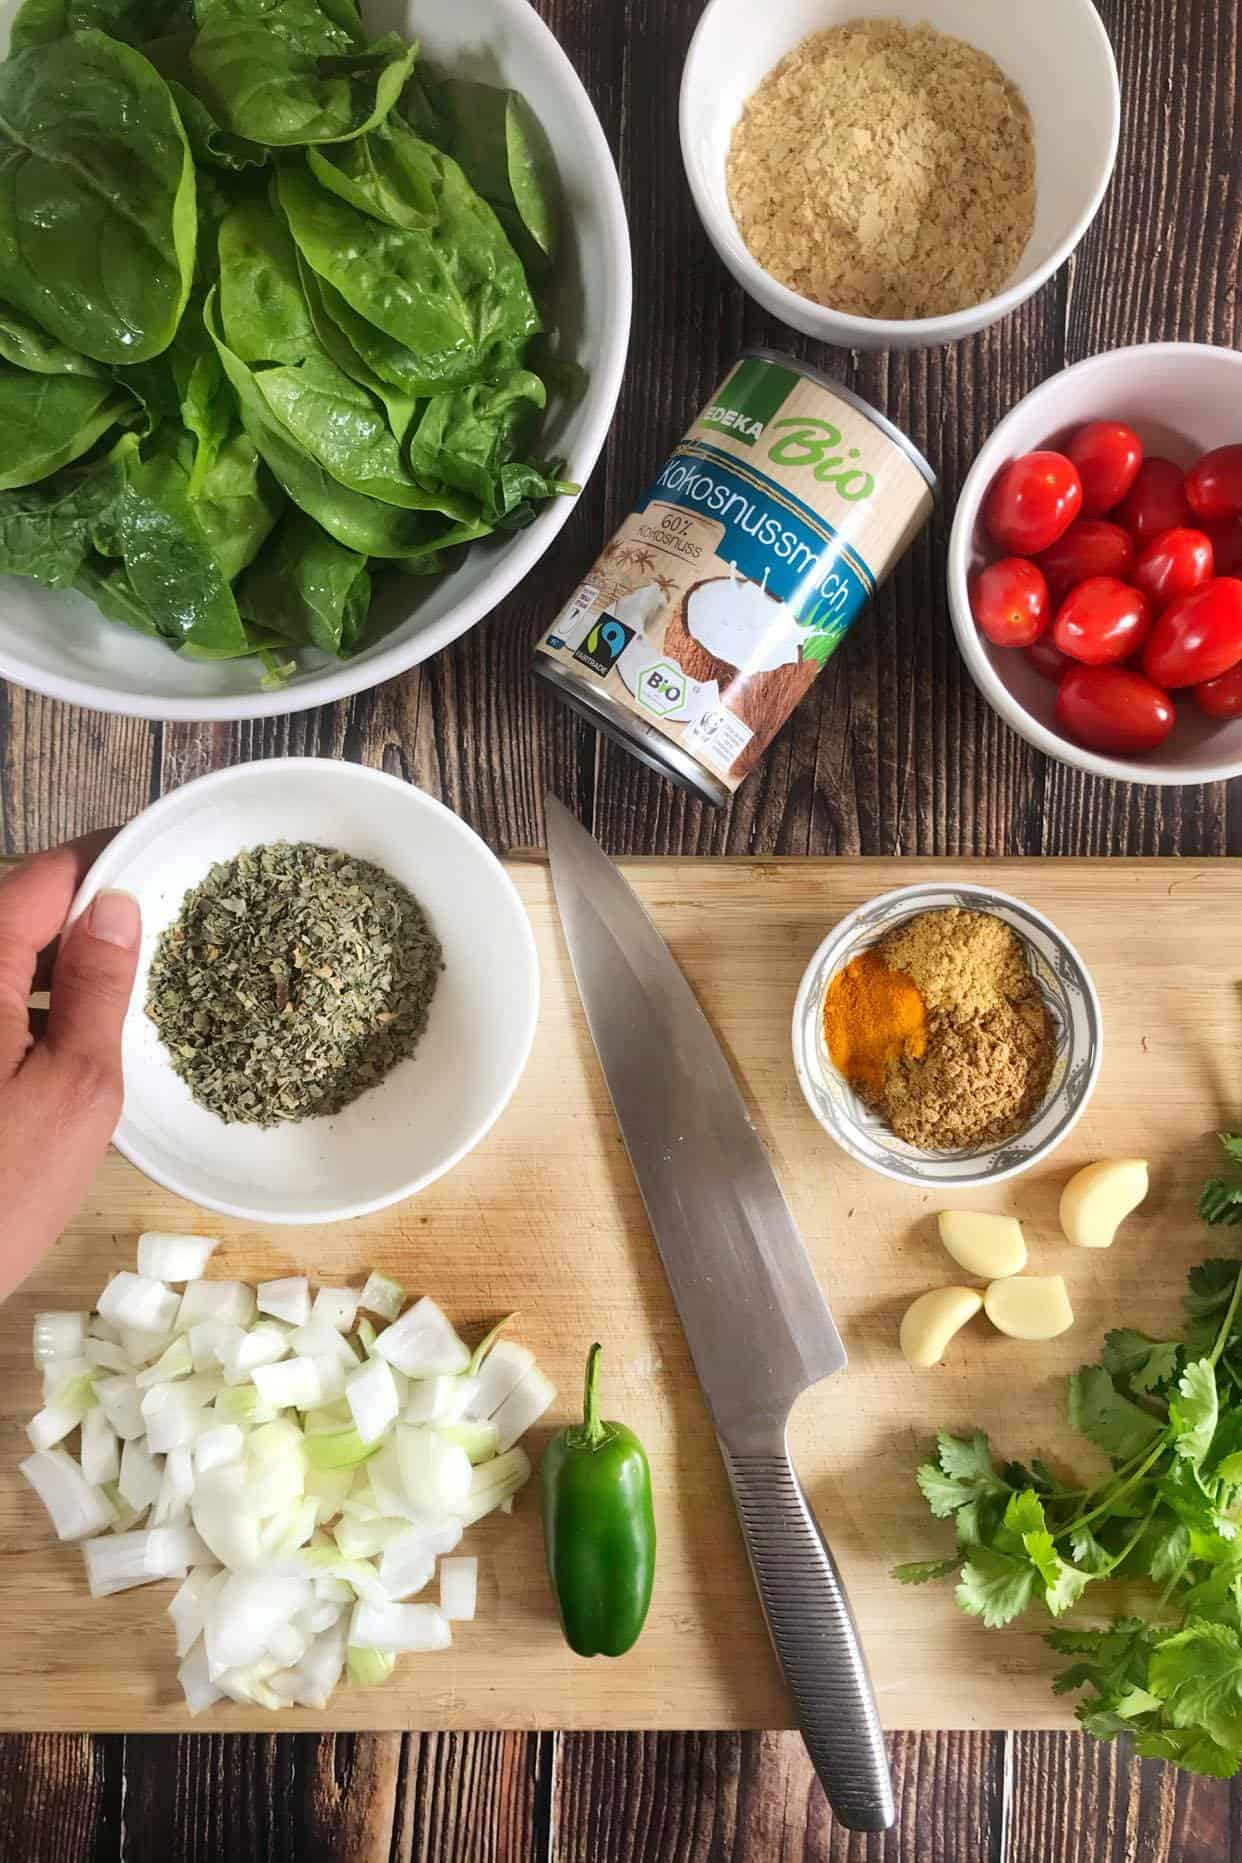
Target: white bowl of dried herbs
{"points": [[337, 991]]}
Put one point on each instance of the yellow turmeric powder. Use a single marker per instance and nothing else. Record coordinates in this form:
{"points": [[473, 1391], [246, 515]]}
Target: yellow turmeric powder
{"points": [[873, 1016]]}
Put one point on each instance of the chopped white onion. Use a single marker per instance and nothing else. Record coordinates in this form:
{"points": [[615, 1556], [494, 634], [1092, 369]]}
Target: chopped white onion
{"points": [[217, 1508], [139, 1480], [104, 1356], [399, 1627], [58, 1335], [188, 1609], [459, 1588], [319, 1339], [174, 1257], [336, 1306], [170, 1551], [524, 1406], [142, 1347], [264, 1344], [501, 1372], [409, 1561], [139, 1301], [287, 1299], [211, 1341], [70, 1403], [176, 1486], [101, 1448], [382, 1295], [435, 1474], [195, 1678], [479, 1440], [172, 1417], [76, 1508], [496, 1482], [363, 1539], [176, 1362], [117, 1562], [440, 1400], [295, 1383], [231, 1302], [422, 1343], [373, 1401], [121, 1402]]}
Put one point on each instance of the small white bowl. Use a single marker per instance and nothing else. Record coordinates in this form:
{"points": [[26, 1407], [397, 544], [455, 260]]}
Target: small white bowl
{"points": [[1072, 1004], [55, 641], [435, 1106], [1057, 53], [1182, 399]]}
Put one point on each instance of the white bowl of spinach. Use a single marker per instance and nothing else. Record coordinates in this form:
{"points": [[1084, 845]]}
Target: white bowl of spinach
{"points": [[307, 333]]}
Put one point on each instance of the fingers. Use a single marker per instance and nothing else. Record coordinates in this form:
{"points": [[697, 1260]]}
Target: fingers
{"points": [[34, 899], [91, 985]]}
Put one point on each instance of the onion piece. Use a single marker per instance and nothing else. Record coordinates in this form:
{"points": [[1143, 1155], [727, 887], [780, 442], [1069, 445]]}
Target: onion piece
{"points": [[218, 1445], [121, 1402], [337, 1449], [58, 1335], [195, 1678], [139, 1480], [440, 1400], [287, 1299], [171, 1416], [459, 1589], [496, 1482], [373, 1401], [422, 1343], [73, 1398], [174, 1257], [231, 1302], [176, 1362], [142, 1347], [382, 1295], [172, 1504], [399, 1627], [479, 1440], [117, 1563], [295, 1383], [524, 1406], [104, 1356], [189, 1607], [101, 1448], [408, 1562], [75, 1506], [369, 1667], [336, 1306], [363, 1539], [501, 1372], [170, 1551], [263, 1344], [139, 1301], [217, 1508]]}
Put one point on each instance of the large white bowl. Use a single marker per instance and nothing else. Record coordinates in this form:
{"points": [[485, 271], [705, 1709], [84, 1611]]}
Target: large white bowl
{"points": [[1057, 53], [1182, 399], [58, 643], [435, 1106]]}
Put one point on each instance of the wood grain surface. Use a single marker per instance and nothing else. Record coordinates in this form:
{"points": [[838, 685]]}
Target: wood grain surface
{"points": [[893, 753]]}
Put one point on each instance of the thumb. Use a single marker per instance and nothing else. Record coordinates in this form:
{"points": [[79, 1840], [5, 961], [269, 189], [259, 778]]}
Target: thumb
{"points": [[91, 986]]}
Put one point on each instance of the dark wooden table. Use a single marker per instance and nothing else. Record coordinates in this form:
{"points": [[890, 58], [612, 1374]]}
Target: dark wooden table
{"points": [[893, 752]]}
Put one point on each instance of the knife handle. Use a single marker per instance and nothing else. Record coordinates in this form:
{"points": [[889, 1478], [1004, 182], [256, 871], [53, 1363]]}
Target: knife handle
{"points": [[815, 1637]]}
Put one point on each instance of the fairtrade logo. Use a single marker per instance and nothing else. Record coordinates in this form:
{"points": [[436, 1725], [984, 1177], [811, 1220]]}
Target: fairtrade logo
{"points": [[661, 688], [605, 644], [810, 442]]}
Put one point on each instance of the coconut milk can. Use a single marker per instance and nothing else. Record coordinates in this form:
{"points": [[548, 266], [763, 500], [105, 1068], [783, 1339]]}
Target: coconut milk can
{"points": [[711, 612]]}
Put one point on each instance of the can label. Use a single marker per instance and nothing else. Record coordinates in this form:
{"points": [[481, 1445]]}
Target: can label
{"points": [[740, 571]]}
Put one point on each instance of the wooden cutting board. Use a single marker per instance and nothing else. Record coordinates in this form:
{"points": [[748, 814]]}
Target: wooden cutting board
{"points": [[545, 1217]]}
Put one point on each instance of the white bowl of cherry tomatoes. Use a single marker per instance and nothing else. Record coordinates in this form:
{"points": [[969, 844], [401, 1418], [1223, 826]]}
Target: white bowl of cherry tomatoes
{"points": [[1095, 565]]}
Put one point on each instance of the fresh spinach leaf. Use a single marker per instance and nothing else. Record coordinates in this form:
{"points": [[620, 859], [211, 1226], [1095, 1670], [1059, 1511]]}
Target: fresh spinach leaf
{"points": [[467, 436], [169, 562], [48, 530], [47, 421], [452, 298], [263, 311], [22, 342], [41, 22], [308, 588], [292, 73], [499, 142], [97, 203]]}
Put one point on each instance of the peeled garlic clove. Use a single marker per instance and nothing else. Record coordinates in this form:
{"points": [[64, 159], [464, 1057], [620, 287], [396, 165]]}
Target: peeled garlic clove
{"points": [[930, 1322], [989, 1246], [1097, 1200], [1029, 1306]]}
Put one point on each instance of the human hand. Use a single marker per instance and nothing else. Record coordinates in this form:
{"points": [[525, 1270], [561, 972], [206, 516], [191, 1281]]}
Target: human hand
{"points": [[60, 1095]]}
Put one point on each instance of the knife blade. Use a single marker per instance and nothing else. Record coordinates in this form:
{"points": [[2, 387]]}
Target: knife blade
{"points": [[757, 1323]]}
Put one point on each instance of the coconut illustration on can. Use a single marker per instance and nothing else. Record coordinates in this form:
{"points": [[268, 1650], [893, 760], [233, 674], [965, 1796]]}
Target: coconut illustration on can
{"points": [[711, 613]]}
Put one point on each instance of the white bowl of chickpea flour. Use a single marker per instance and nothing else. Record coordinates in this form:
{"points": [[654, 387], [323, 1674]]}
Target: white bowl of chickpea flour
{"points": [[435, 1104], [1006, 235]]}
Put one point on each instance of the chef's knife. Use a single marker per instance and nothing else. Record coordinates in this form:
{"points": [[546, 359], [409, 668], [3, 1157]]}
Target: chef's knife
{"points": [[759, 1328]]}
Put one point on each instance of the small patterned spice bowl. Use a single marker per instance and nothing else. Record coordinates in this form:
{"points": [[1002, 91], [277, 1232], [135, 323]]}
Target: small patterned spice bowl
{"points": [[1073, 1009]]}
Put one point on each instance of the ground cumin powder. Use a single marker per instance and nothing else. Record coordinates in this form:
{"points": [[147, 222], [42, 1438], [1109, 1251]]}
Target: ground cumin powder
{"points": [[885, 170], [989, 1048]]}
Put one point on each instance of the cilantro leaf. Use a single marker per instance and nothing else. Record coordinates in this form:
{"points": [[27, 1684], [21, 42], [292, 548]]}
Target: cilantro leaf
{"points": [[1232, 1143], [969, 1458], [964, 1473], [1197, 1673], [1097, 1408], [995, 1587], [1220, 1202], [922, 1571], [1145, 1364], [1194, 1413]]}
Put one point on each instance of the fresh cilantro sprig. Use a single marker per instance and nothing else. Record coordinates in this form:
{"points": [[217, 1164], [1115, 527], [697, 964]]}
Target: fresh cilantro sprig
{"points": [[1168, 1414]]}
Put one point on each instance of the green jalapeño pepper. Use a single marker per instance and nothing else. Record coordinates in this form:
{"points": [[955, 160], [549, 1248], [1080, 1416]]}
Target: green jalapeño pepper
{"points": [[599, 1528]]}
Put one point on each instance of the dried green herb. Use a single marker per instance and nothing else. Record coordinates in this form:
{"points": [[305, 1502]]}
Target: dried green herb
{"points": [[293, 978]]}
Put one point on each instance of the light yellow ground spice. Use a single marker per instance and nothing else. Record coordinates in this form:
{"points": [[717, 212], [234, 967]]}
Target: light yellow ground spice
{"points": [[990, 1048], [885, 170]]}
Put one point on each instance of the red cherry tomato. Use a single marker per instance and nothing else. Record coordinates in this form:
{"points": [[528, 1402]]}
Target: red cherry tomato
{"points": [[1226, 546], [1156, 501], [1102, 620], [1221, 697], [1112, 708], [1174, 563], [1214, 485], [1090, 547], [1009, 601], [1198, 637], [1048, 661], [1032, 501], [1108, 457]]}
